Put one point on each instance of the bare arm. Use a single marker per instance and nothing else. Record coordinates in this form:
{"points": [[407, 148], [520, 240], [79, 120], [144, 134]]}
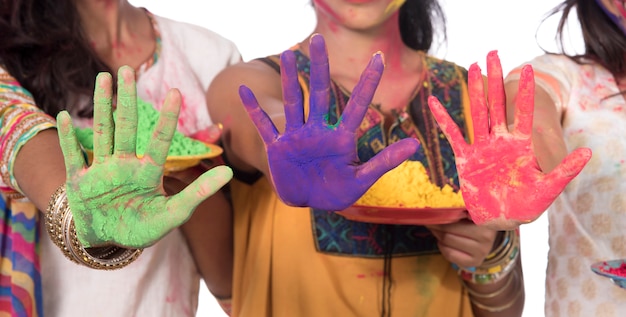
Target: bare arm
{"points": [[39, 168], [242, 144], [548, 142], [209, 233]]}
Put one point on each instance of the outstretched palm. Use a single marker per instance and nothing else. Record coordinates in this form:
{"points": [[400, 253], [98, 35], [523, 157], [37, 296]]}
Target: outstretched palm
{"points": [[502, 184], [120, 199], [313, 163]]}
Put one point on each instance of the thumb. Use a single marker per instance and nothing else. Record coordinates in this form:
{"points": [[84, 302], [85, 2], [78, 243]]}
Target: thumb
{"points": [[387, 159], [203, 187], [569, 168]]}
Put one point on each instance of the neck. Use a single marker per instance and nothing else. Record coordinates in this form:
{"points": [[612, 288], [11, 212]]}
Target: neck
{"points": [[352, 49], [349, 51]]}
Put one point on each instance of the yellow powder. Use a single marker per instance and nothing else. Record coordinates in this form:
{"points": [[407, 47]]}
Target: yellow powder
{"points": [[408, 185]]}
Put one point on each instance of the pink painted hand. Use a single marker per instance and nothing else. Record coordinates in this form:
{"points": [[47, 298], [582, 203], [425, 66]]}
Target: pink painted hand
{"points": [[120, 198], [313, 163], [501, 181]]}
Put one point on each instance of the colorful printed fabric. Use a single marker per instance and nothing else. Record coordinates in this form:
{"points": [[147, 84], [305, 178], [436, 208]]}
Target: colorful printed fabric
{"points": [[20, 279]]}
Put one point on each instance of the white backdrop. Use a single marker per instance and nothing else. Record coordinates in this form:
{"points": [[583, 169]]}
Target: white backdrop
{"points": [[474, 28]]}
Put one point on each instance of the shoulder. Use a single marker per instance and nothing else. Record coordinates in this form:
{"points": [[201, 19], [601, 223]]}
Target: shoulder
{"points": [[195, 38], [559, 66], [260, 77], [559, 60], [11, 90]]}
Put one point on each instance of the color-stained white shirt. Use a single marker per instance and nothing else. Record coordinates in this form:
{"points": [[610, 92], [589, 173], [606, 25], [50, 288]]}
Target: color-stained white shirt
{"points": [[587, 223], [164, 280]]}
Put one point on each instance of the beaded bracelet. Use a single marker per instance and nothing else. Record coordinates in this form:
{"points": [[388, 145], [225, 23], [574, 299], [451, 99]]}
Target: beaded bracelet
{"points": [[505, 306], [493, 294], [60, 226], [497, 264]]}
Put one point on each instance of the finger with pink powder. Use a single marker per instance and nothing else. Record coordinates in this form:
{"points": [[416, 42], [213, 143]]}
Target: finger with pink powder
{"points": [[496, 99], [478, 104], [449, 128], [524, 104]]}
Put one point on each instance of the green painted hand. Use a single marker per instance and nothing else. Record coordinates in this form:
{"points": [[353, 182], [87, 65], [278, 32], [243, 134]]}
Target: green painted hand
{"points": [[120, 198]]}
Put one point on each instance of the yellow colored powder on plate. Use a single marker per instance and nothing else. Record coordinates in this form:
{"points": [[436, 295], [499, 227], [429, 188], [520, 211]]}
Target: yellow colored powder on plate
{"points": [[408, 185]]}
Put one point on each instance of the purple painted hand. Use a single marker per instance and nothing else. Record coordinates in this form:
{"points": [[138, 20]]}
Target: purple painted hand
{"points": [[501, 181], [313, 163]]}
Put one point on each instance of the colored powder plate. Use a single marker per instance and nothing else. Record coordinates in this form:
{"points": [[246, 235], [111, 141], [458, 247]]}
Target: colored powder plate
{"points": [[184, 152], [405, 196], [614, 269]]}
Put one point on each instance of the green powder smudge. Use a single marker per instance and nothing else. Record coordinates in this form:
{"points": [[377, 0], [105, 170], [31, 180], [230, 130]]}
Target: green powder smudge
{"points": [[147, 121]]}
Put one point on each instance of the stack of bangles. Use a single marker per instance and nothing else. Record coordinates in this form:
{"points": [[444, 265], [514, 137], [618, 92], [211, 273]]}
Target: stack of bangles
{"points": [[496, 267], [60, 225]]}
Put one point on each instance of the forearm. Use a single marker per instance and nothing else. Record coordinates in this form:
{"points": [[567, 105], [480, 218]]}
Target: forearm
{"points": [[209, 234], [39, 168]]}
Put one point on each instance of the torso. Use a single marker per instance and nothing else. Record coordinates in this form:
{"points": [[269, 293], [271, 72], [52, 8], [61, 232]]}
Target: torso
{"points": [[319, 257], [164, 281]]}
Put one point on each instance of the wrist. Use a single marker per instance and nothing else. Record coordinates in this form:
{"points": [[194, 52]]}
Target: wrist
{"points": [[497, 297], [60, 227], [497, 264]]}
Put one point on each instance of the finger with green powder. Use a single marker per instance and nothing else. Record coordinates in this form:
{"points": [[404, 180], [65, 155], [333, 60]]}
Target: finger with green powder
{"points": [[103, 118], [126, 119], [74, 162], [159, 144]]}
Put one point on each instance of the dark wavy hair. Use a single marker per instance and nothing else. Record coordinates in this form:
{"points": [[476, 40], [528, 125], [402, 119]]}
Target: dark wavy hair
{"points": [[42, 45], [419, 22], [605, 43]]}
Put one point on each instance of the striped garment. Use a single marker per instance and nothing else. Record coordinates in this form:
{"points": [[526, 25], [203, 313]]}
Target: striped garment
{"points": [[20, 279]]}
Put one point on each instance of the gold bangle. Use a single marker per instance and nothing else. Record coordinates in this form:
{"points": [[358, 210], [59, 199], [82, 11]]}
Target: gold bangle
{"points": [[60, 226], [497, 309], [493, 294]]}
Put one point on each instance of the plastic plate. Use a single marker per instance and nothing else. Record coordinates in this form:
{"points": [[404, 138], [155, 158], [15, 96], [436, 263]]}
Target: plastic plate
{"points": [[179, 163], [604, 269], [403, 215]]}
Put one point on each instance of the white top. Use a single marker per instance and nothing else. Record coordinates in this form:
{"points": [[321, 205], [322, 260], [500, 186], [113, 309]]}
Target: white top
{"points": [[164, 280], [588, 221]]}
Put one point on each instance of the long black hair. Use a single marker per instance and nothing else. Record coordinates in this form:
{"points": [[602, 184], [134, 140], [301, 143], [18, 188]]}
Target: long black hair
{"points": [[42, 45], [605, 42], [419, 22]]}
